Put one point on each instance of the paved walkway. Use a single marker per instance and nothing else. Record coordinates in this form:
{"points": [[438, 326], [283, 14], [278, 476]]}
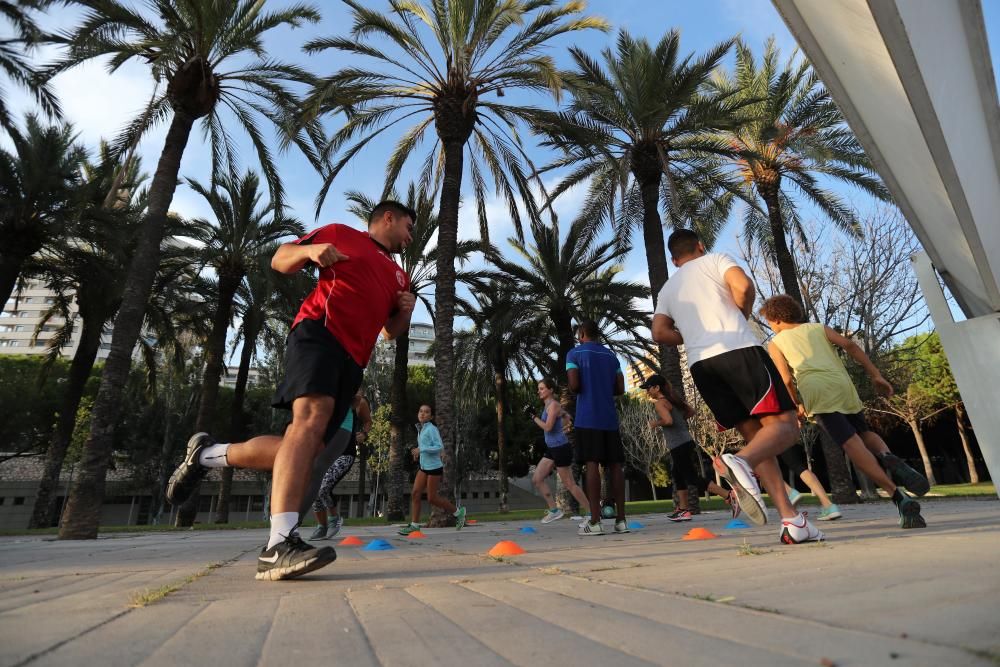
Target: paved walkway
{"points": [[873, 595]]}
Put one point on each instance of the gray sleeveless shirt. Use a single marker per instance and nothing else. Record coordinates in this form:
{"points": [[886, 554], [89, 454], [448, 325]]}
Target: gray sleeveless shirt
{"points": [[677, 434]]}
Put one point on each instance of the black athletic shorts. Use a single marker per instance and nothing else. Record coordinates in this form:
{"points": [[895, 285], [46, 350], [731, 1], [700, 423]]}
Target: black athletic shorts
{"points": [[562, 455], [741, 384], [436, 472], [598, 445], [795, 458], [315, 363], [841, 427]]}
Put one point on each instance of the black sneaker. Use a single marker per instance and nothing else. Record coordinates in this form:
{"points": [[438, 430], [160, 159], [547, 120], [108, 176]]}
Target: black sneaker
{"points": [[903, 475], [190, 471], [909, 513], [292, 558]]}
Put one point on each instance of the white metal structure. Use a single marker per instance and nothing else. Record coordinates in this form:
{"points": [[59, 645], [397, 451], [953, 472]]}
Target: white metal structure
{"points": [[915, 81]]}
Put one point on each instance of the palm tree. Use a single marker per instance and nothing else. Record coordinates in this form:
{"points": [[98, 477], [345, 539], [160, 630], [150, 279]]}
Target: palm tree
{"points": [[187, 44], [39, 181], [638, 129], [14, 62], [419, 260], [243, 229], [478, 49], [790, 131], [264, 302]]}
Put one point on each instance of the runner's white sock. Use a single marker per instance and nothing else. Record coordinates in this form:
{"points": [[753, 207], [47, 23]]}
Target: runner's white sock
{"points": [[282, 525], [214, 456]]}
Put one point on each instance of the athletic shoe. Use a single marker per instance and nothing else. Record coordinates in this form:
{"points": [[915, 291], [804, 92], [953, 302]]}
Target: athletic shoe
{"points": [[184, 480], [622, 527], [583, 523], [831, 513], [903, 475], [680, 515], [591, 528], [909, 514], [734, 503], [460, 518], [740, 476], [292, 558], [553, 514], [794, 497], [409, 528], [334, 525], [319, 533], [798, 529]]}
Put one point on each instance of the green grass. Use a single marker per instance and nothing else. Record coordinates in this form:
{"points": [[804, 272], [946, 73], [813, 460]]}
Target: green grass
{"points": [[637, 507]]}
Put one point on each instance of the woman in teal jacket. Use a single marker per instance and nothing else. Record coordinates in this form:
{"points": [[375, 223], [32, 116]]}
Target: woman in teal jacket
{"points": [[428, 453]]}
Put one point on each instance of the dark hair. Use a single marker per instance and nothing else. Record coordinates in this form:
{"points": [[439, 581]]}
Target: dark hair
{"points": [[391, 205], [782, 308], [682, 243], [550, 383], [428, 405], [588, 328]]}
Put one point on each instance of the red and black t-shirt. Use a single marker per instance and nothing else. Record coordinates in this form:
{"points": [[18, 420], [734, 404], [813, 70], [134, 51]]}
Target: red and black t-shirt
{"points": [[356, 296]]}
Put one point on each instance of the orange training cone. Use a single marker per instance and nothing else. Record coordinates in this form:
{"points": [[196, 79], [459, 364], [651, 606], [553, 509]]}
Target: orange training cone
{"points": [[699, 534], [351, 541], [471, 522], [416, 535], [506, 548]]}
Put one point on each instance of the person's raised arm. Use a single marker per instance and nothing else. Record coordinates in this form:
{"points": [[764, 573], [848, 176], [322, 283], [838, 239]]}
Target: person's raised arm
{"points": [[292, 257], [741, 288], [665, 332], [882, 385]]}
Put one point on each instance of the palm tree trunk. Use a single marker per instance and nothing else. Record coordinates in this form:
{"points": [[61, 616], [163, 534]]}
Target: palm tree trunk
{"points": [[79, 372], [236, 418], [10, 269], [83, 511], [782, 255], [215, 354], [396, 503], [970, 461], [924, 456], [444, 317], [656, 265], [838, 474], [500, 385]]}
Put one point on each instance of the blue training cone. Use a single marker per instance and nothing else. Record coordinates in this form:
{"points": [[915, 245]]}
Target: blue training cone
{"points": [[736, 524], [635, 525], [378, 545], [528, 530]]}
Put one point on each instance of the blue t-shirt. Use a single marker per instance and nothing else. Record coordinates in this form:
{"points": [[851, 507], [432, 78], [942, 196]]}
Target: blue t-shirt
{"points": [[598, 368], [555, 437], [430, 444]]}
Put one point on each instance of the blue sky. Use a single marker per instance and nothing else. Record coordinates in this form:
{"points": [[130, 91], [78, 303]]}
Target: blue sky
{"points": [[99, 104]]}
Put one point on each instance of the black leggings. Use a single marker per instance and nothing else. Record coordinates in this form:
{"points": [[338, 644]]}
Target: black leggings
{"points": [[684, 470], [794, 457]]}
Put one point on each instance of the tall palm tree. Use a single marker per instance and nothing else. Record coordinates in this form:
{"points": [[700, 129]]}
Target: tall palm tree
{"points": [[232, 244], [789, 132], [638, 129], [264, 302], [190, 46], [15, 50], [452, 81], [39, 182], [419, 260]]}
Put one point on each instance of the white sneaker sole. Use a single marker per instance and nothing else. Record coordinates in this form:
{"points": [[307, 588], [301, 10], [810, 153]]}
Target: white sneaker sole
{"points": [[750, 504], [297, 570]]}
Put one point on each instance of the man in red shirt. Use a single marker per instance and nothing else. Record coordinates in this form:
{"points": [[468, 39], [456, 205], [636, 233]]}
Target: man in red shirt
{"points": [[361, 292]]}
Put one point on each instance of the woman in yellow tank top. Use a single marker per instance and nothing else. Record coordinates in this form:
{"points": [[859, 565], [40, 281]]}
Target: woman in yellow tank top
{"points": [[811, 370]]}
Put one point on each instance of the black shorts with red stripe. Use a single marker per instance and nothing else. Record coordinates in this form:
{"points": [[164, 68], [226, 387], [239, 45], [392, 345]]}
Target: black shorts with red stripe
{"points": [[741, 384]]}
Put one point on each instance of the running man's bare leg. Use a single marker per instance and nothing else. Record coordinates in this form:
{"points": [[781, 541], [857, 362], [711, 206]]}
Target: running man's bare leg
{"points": [[540, 480], [566, 475], [254, 454], [302, 443], [766, 437]]}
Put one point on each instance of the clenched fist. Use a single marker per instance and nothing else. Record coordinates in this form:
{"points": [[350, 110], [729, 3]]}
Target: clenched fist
{"points": [[405, 301], [325, 254]]}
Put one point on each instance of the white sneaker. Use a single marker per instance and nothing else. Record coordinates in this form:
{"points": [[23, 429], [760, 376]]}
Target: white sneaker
{"points": [[798, 529], [552, 515], [739, 474], [590, 529], [622, 527]]}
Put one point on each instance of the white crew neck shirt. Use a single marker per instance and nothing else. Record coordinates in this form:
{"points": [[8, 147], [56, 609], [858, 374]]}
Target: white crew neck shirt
{"points": [[699, 302]]}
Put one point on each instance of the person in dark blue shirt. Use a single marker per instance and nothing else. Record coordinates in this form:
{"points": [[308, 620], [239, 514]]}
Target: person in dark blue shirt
{"points": [[595, 376]]}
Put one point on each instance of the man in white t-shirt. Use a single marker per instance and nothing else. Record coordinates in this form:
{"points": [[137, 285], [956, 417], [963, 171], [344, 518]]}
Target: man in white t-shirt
{"points": [[705, 306]]}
